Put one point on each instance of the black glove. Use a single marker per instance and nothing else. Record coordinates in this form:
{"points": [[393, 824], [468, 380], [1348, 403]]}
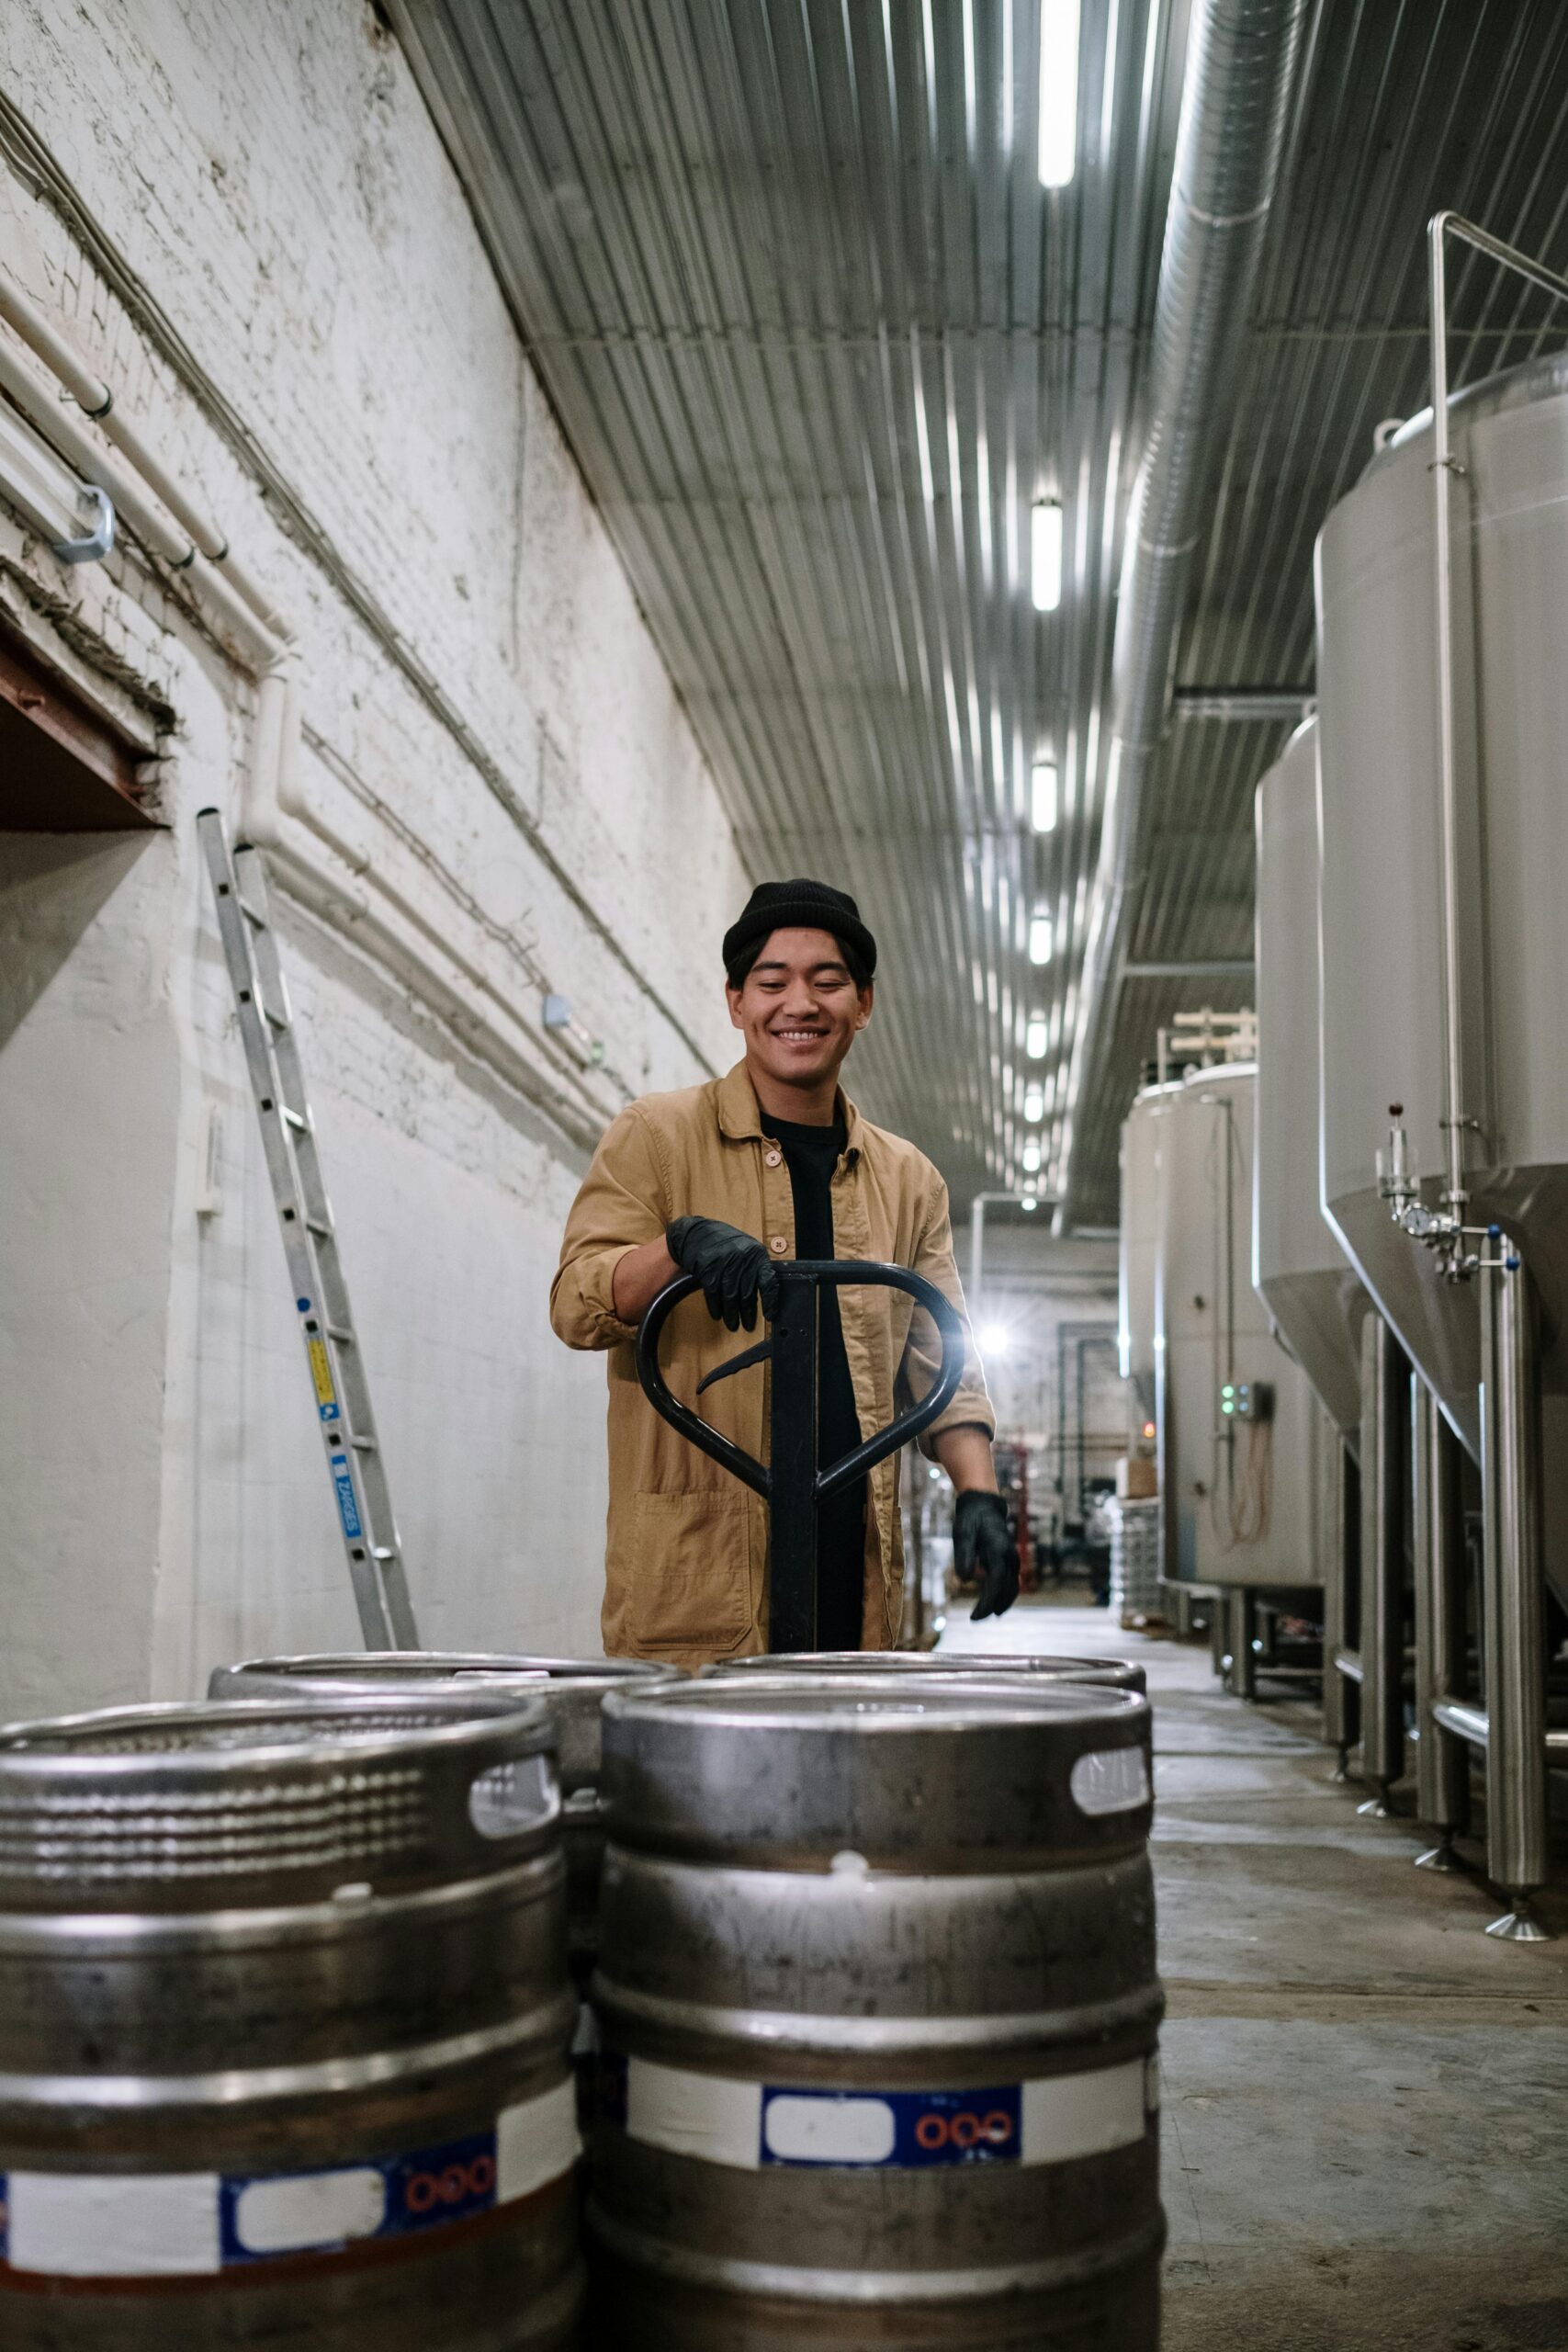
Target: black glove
{"points": [[983, 1546], [734, 1270]]}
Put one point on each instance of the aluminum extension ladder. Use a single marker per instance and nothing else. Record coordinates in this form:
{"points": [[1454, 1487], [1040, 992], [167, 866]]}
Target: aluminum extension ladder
{"points": [[339, 1384]]}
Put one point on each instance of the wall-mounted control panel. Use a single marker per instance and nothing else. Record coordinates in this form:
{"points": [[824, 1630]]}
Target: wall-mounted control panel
{"points": [[1246, 1400]]}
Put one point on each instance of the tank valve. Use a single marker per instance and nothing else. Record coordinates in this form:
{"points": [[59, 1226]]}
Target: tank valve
{"points": [[1394, 1181]]}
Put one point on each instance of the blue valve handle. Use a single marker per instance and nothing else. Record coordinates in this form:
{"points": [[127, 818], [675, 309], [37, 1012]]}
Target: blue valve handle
{"points": [[790, 1482]]}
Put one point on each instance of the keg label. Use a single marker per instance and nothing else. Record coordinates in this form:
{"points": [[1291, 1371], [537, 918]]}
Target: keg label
{"points": [[1051, 2120], [902, 2130], [89, 2226], [390, 2197]]}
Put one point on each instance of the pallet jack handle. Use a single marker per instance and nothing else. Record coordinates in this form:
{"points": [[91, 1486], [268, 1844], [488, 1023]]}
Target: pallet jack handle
{"points": [[790, 1482]]}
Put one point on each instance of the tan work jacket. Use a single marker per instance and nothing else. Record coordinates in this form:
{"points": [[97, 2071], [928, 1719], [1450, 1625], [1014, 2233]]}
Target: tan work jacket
{"points": [[686, 1560]]}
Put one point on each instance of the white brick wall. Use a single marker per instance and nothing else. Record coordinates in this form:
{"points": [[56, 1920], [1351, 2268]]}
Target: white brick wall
{"points": [[268, 170]]}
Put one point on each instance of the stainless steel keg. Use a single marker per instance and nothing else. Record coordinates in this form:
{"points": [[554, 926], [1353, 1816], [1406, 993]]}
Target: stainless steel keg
{"points": [[284, 2028], [571, 1689], [878, 2002], [1108, 1673]]}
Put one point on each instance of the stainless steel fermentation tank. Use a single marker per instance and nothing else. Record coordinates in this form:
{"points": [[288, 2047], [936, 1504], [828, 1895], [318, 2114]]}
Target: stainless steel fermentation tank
{"points": [[1315, 1299], [1238, 1432], [1137, 1257], [284, 2026], [878, 2072], [1384, 1032], [1306, 1281], [569, 1688], [1441, 580]]}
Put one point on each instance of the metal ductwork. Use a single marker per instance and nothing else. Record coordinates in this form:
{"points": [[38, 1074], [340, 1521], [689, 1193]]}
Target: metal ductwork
{"points": [[1234, 105]]}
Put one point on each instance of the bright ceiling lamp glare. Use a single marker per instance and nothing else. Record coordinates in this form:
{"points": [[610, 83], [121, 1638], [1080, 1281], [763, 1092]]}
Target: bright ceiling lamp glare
{"points": [[1034, 1110], [1045, 799], [1042, 939], [1045, 554], [995, 1339], [1058, 92], [1035, 1036], [1028, 1159], [1029, 1203]]}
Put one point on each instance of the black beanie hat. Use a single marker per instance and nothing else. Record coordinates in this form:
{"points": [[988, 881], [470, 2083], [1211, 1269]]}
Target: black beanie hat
{"points": [[799, 906]]}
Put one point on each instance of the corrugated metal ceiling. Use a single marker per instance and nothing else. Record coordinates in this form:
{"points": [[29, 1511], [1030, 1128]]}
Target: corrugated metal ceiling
{"points": [[820, 338]]}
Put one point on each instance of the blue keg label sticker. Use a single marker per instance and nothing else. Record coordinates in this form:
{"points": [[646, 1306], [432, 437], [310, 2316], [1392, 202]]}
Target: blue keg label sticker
{"points": [[348, 1509], [902, 2130], [1051, 2118], [263, 2215], [144, 2225]]}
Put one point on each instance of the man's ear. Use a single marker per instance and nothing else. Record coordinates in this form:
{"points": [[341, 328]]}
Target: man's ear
{"points": [[867, 999], [732, 997]]}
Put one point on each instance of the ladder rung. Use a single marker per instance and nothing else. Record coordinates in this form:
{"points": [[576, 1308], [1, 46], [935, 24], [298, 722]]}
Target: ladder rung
{"points": [[320, 1232], [278, 1020], [247, 908], [382, 1552], [340, 1331], [364, 1445], [294, 1118]]}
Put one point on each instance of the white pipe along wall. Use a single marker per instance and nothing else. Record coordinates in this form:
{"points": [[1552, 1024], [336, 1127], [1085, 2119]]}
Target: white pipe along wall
{"points": [[408, 662]]}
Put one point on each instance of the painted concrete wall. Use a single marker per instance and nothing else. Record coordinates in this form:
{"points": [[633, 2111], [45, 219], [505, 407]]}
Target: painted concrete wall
{"points": [[307, 328]]}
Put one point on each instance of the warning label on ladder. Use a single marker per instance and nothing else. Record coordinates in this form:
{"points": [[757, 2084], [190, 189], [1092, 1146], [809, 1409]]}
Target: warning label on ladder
{"points": [[322, 1374]]}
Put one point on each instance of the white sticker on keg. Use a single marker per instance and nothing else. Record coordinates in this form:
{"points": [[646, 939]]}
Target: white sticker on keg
{"points": [[536, 2142], [310, 2208], [691, 2114], [750, 2125], [1066, 2116], [806, 2130], [101, 2226], [98, 2225], [1111, 1779]]}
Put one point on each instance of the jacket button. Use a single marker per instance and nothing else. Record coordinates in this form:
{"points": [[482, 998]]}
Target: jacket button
{"points": [[773, 1158], [777, 1244]]}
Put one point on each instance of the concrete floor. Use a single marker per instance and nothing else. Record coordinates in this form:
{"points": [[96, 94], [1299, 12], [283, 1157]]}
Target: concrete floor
{"points": [[1366, 2098]]}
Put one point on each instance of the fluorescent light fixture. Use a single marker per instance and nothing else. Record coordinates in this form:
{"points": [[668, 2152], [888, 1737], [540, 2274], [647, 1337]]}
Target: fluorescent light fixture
{"points": [[1034, 1107], [1045, 554], [1058, 91], [1030, 1159], [1035, 1036], [1042, 939], [1045, 799], [1028, 1202]]}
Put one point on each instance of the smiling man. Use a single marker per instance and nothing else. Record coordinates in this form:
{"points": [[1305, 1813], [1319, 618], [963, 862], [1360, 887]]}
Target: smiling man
{"points": [[723, 1181]]}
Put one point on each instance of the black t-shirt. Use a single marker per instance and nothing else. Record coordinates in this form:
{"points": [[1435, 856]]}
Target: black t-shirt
{"points": [[811, 1154]]}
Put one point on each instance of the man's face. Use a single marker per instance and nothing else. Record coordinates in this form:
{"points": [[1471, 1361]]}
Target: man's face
{"points": [[799, 1009]]}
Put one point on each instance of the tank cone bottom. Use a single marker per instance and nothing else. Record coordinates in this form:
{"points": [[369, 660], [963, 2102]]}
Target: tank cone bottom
{"points": [[1520, 1925]]}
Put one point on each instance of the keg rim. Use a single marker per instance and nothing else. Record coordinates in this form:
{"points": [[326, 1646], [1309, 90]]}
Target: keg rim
{"points": [[28, 1750], [1005, 1663], [404, 1672], [868, 1704]]}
